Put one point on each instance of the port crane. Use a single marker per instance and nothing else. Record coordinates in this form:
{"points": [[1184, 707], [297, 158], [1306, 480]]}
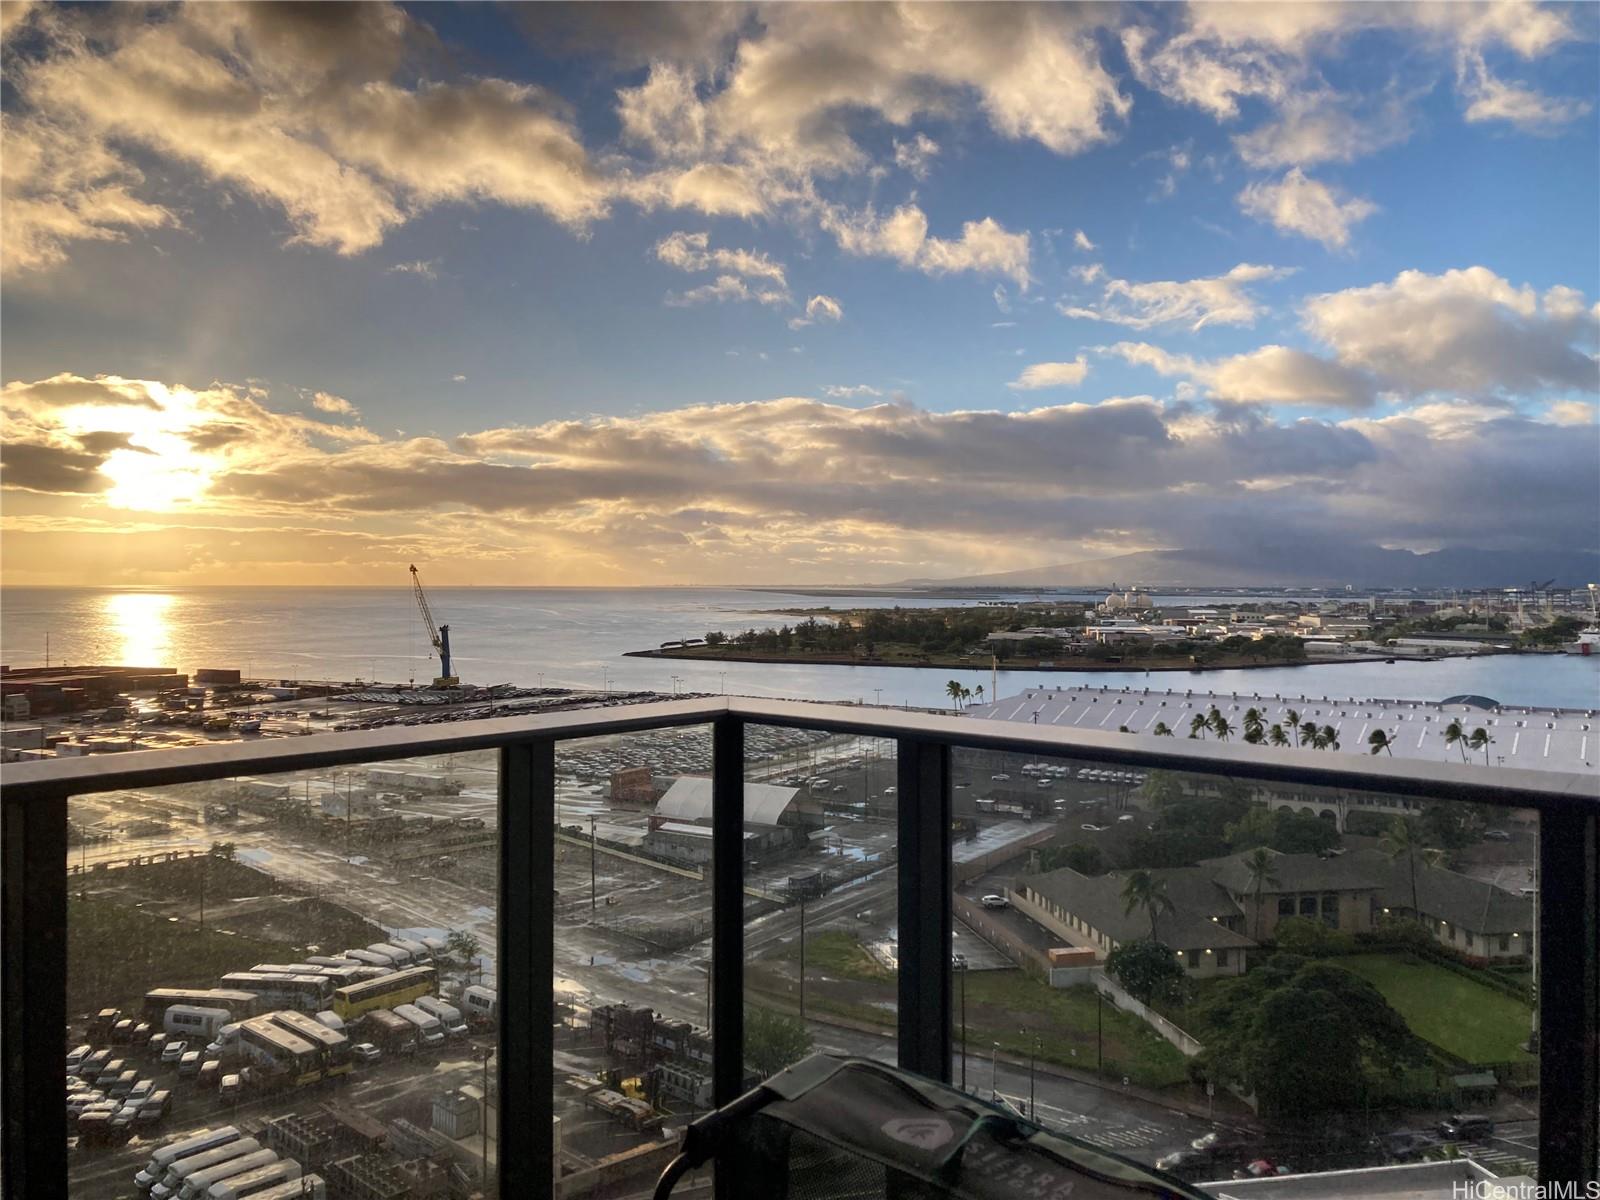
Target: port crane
{"points": [[439, 635]]}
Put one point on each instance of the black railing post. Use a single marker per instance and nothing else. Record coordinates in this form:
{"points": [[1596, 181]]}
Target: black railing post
{"points": [[923, 770], [727, 910], [33, 845], [525, 967], [1569, 994]]}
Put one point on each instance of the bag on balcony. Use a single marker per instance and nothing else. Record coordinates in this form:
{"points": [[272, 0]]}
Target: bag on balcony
{"points": [[852, 1127]]}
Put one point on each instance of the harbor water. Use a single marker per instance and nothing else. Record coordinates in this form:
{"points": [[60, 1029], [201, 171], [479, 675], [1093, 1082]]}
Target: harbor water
{"points": [[578, 637]]}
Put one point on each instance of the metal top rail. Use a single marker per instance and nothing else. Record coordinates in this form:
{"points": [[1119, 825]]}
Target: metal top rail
{"points": [[1502, 786]]}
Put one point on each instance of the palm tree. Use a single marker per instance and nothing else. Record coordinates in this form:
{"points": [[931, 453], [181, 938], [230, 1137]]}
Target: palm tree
{"points": [[966, 696], [1403, 839], [1162, 729], [953, 690], [1259, 866], [1198, 726], [1253, 724], [1220, 726], [1307, 732], [1480, 740], [1144, 890], [1278, 737], [1292, 719], [1455, 734], [978, 691], [1381, 742]]}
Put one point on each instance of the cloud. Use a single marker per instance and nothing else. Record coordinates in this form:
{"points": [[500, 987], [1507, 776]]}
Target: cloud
{"points": [[1319, 125], [1197, 303], [851, 391], [1298, 204], [1080, 239], [692, 252], [985, 247], [1001, 300], [916, 156], [422, 268], [782, 489], [1492, 99], [1271, 375], [818, 308], [1465, 330], [338, 405], [458, 379], [723, 288], [1051, 375]]}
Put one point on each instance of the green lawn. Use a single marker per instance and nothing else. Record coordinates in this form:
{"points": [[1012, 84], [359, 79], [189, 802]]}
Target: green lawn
{"points": [[1463, 1018], [839, 954]]}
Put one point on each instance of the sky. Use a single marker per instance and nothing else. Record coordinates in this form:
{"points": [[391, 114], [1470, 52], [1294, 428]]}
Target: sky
{"points": [[697, 294]]}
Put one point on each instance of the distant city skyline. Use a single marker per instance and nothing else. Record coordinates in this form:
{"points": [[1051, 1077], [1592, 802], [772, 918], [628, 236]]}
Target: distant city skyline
{"points": [[670, 294]]}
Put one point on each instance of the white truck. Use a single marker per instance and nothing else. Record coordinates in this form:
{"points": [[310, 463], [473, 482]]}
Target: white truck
{"points": [[180, 1170], [481, 1004], [307, 1187], [196, 1143], [201, 1182], [252, 1183], [397, 957], [430, 1030], [226, 1041], [191, 1021], [332, 1020], [449, 1015]]}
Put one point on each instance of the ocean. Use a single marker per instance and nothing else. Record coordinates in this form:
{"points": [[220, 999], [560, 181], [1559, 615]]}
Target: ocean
{"points": [[577, 637]]}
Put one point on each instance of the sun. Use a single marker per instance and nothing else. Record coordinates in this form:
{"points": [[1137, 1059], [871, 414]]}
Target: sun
{"points": [[158, 472]]}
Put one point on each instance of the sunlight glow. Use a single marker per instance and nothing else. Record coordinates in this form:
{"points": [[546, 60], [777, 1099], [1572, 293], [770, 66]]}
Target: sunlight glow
{"points": [[140, 626]]}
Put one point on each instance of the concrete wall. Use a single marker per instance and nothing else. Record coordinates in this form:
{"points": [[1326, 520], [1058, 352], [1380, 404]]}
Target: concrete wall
{"points": [[1113, 991]]}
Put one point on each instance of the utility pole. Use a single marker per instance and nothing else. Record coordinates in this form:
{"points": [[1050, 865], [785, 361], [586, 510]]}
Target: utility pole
{"points": [[962, 968], [802, 960], [488, 1053], [592, 819], [1099, 1033], [1033, 1054], [994, 1070]]}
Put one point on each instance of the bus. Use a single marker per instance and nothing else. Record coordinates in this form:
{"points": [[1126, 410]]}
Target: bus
{"points": [[401, 987], [370, 959], [305, 993], [286, 1054], [333, 1045], [240, 1003], [395, 955]]}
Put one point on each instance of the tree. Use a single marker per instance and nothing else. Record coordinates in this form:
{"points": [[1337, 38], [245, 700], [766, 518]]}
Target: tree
{"points": [[226, 851], [1308, 731], [1162, 788], [1455, 734], [1308, 1038], [1480, 740], [1254, 726], [1162, 729], [773, 1041], [1381, 742], [1198, 725], [1084, 859], [1311, 938], [1403, 839], [1293, 719], [953, 690], [1259, 866], [978, 691], [1325, 738], [463, 946], [1147, 969], [1143, 890], [715, 638], [1278, 737], [1219, 725]]}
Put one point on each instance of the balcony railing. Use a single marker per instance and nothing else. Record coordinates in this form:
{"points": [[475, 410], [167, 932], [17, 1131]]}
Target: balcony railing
{"points": [[36, 888]]}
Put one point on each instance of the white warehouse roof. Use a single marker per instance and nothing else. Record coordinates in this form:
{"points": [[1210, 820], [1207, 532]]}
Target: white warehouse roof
{"points": [[689, 799], [1543, 739]]}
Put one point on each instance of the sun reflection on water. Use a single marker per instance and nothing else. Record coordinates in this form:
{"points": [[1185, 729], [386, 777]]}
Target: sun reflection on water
{"points": [[139, 627]]}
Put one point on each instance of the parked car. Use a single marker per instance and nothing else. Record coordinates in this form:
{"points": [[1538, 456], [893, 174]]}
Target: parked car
{"points": [[157, 1044], [1125, 817], [172, 1051], [230, 1088], [110, 1070], [89, 1068], [1090, 827], [210, 1074], [1496, 835], [365, 1052], [122, 1086], [1465, 1127], [76, 1056], [189, 1064], [141, 1090], [996, 902], [122, 1032], [156, 1107], [141, 1034], [1000, 778]]}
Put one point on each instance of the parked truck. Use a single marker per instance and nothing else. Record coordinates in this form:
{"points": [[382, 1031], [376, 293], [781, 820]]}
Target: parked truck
{"points": [[430, 1030], [480, 1004], [307, 1187], [179, 1171], [195, 1143], [201, 1182], [252, 1183], [448, 1014]]}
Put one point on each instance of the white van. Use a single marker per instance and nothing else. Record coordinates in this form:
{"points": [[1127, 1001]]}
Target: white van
{"points": [[481, 1004], [449, 1015], [189, 1021], [430, 1030]]}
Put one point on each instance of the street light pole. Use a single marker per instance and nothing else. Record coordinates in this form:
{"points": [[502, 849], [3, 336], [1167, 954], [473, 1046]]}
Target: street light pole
{"points": [[1099, 1033], [802, 960], [962, 967], [1033, 1054], [592, 888]]}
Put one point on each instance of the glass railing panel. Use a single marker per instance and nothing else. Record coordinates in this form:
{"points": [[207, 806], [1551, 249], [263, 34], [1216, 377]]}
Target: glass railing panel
{"points": [[1224, 976], [306, 959], [821, 876], [632, 953]]}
